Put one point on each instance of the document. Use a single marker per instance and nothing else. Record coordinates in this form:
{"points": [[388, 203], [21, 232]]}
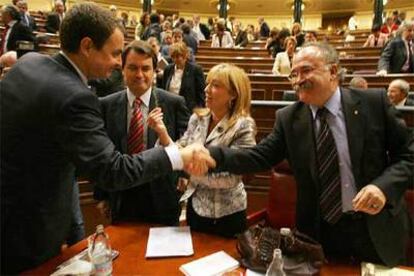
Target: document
{"points": [[214, 264], [169, 241]]}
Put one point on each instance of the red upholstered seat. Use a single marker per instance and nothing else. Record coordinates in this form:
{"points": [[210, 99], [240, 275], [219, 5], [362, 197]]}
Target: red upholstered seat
{"points": [[281, 207]]}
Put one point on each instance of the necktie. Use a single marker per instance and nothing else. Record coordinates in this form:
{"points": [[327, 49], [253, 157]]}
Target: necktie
{"points": [[3, 39], [136, 129], [330, 200]]}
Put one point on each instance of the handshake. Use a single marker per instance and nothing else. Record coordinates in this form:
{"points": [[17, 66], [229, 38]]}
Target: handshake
{"points": [[196, 159]]}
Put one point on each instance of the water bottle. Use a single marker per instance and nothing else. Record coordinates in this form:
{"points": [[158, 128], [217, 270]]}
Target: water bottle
{"points": [[276, 266], [100, 252]]}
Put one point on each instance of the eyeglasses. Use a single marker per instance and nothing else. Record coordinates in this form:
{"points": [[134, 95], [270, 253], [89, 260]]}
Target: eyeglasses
{"points": [[305, 71]]}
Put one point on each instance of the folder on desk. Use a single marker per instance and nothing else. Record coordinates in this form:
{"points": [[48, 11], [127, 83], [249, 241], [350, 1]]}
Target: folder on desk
{"points": [[214, 264], [169, 241]]}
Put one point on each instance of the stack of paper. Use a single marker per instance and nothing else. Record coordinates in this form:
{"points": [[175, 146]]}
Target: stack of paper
{"points": [[214, 264], [169, 241]]}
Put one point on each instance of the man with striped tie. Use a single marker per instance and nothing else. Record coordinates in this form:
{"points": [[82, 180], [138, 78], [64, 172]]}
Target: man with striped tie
{"points": [[351, 157], [125, 114]]}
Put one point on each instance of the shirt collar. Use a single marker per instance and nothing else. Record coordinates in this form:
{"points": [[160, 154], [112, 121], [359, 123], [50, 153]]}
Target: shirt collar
{"points": [[145, 98], [333, 104], [11, 23], [82, 76]]}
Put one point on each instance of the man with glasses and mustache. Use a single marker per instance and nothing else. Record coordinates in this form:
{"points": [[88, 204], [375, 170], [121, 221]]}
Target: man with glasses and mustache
{"points": [[351, 157]]}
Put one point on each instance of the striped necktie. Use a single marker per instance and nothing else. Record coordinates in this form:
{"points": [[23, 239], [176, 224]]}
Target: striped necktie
{"points": [[330, 200], [136, 129]]}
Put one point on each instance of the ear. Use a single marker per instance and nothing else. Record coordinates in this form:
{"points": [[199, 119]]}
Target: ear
{"points": [[334, 70], [86, 45]]}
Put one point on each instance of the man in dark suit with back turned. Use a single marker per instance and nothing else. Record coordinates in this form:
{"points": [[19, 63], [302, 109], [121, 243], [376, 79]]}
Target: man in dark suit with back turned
{"points": [[351, 157], [398, 54], [151, 202], [52, 123]]}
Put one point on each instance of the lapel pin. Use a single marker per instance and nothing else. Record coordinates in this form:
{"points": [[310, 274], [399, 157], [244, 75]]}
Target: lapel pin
{"points": [[355, 112], [219, 129]]}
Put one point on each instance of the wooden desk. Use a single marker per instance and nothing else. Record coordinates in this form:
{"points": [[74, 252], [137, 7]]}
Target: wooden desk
{"points": [[131, 241]]}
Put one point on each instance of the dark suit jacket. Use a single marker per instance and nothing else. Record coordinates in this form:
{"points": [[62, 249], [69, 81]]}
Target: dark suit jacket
{"points": [[264, 30], [205, 31], [31, 21], [157, 201], [381, 152], [394, 56], [52, 22], [19, 31], [54, 125], [241, 39], [192, 84]]}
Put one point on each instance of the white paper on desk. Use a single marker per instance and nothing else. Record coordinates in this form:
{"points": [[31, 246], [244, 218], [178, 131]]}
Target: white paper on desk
{"points": [[386, 271], [253, 273], [211, 265], [169, 241]]}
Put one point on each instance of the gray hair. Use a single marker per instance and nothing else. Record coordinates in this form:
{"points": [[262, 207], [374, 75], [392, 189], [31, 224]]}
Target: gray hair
{"points": [[357, 82], [403, 85], [329, 55], [405, 26]]}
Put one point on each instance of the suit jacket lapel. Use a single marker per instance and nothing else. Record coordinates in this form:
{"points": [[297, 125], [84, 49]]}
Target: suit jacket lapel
{"points": [[218, 130], [354, 117], [186, 75], [151, 135], [63, 61], [120, 115], [169, 77], [303, 130]]}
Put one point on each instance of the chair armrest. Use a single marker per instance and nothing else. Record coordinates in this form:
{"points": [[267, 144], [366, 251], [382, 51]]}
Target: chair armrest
{"points": [[256, 217]]}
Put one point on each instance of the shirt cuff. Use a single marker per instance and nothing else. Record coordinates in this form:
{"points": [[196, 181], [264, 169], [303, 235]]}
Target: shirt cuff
{"points": [[175, 157]]}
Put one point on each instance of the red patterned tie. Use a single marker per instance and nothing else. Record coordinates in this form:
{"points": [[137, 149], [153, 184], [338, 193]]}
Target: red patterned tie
{"points": [[136, 129], [330, 199]]}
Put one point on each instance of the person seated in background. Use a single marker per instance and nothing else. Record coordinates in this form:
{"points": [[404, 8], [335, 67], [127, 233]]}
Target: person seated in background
{"points": [[280, 45], [26, 18], [311, 36], [252, 35], [184, 77], [222, 38], [240, 36], [388, 27], [7, 61], [161, 61], [217, 202], [144, 22], [54, 19], [376, 38], [358, 83], [398, 56], [125, 116], [298, 34], [283, 60], [271, 41], [14, 30], [398, 93], [177, 37]]}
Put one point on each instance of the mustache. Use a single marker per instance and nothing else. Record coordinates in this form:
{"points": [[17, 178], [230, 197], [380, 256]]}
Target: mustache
{"points": [[303, 85]]}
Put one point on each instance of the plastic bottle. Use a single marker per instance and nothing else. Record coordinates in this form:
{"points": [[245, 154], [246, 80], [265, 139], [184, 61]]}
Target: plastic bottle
{"points": [[100, 252], [276, 266]]}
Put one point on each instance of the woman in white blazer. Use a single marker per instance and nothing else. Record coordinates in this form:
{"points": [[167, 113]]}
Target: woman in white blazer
{"points": [[222, 39], [217, 202], [283, 60]]}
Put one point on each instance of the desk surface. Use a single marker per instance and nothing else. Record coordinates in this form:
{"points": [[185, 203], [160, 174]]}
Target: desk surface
{"points": [[131, 241]]}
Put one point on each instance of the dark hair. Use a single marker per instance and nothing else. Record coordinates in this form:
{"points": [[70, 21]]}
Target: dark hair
{"points": [[140, 47], [154, 18], [86, 20], [186, 28], [142, 18], [313, 33], [13, 11], [376, 28]]}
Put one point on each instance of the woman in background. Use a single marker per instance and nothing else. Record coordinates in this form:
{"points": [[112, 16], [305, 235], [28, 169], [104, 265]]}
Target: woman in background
{"points": [[283, 61], [217, 202]]}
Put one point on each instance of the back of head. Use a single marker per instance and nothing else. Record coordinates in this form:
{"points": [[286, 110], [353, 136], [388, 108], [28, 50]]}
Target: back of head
{"points": [[186, 28], [12, 11], [86, 20], [154, 18]]}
